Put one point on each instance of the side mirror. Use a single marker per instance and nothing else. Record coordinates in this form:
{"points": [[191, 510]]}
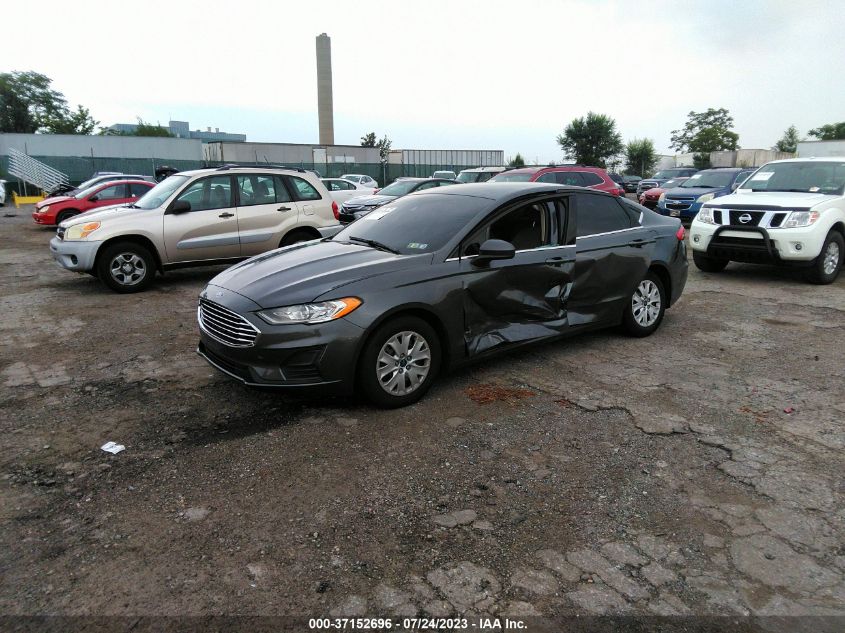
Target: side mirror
{"points": [[180, 206], [492, 250], [93, 198]]}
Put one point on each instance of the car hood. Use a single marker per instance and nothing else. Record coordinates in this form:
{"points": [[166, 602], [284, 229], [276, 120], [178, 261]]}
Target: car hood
{"points": [[367, 201], [53, 200], [303, 272], [694, 192], [786, 199], [101, 214]]}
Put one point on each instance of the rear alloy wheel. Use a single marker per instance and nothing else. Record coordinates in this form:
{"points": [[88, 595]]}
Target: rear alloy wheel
{"points": [[65, 215], [126, 267], [646, 308], [826, 266], [399, 362], [708, 264]]}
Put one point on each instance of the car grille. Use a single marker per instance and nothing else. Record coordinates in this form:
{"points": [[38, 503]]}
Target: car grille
{"points": [[679, 204], [225, 326], [766, 219]]}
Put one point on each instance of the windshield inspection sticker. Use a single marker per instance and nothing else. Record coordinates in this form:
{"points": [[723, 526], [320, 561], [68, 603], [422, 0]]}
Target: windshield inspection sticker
{"points": [[417, 245], [763, 175]]}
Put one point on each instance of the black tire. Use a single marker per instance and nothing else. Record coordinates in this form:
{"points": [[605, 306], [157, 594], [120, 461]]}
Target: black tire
{"points": [[296, 236], [369, 364], [140, 271], [825, 268], [639, 318], [708, 264], [65, 215]]}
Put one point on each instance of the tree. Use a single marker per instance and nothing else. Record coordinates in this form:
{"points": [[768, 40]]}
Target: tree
{"points": [[705, 132], [29, 104], [789, 141], [829, 132], [591, 140], [368, 140], [517, 161], [640, 157], [384, 145]]}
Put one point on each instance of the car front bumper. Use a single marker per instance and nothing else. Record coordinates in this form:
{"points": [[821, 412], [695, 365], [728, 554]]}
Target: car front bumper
{"points": [[320, 356], [47, 219], [78, 256], [752, 244]]}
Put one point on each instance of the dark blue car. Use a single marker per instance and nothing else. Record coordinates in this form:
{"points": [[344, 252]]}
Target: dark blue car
{"points": [[685, 200]]}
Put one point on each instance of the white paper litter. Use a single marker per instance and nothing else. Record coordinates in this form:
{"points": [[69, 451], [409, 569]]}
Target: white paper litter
{"points": [[113, 448]]}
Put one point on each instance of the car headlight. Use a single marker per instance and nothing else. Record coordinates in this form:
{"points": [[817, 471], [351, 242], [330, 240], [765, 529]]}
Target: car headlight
{"points": [[705, 215], [311, 312], [44, 209], [797, 219], [662, 197], [707, 197], [81, 231]]}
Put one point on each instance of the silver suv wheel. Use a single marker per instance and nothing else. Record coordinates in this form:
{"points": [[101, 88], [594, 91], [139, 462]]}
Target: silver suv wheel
{"points": [[403, 363], [831, 258], [127, 269]]}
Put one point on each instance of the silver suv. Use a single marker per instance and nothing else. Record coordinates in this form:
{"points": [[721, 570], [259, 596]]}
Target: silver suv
{"points": [[207, 216]]}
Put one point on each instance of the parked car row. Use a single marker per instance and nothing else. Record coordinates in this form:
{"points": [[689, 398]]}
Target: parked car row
{"points": [[436, 275]]}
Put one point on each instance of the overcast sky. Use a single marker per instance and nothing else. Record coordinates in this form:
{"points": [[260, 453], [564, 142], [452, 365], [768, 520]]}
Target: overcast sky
{"points": [[442, 75]]}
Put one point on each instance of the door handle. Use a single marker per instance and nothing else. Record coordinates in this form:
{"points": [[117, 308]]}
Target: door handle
{"points": [[555, 260], [226, 214], [283, 209], [637, 243]]}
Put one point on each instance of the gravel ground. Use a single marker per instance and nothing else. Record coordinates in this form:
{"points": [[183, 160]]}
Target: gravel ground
{"points": [[698, 471]]}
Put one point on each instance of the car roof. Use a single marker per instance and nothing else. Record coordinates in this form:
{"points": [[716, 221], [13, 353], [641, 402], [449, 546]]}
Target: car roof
{"points": [[503, 191], [819, 159]]}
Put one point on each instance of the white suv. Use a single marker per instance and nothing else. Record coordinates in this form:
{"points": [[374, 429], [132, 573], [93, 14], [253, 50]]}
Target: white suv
{"points": [[195, 218], [789, 212]]}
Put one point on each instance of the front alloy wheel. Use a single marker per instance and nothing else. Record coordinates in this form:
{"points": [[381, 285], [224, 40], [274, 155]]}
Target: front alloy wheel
{"points": [[403, 363], [825, 268], [399, 362]]}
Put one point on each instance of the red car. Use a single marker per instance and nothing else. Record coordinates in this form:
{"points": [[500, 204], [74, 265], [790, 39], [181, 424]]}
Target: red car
{"points": [[57, 210], [649, 197], [577, 175]]}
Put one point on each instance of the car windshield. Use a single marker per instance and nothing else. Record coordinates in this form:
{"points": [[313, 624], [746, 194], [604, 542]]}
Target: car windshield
{"points": [[421, 223], [631, 178], [156, 196], [506, 177], [88, 183], [671, 184], [666, 173], [715, 179], [86, 192], [352, 177], [469, 176], [398, 188], [808, 177]]}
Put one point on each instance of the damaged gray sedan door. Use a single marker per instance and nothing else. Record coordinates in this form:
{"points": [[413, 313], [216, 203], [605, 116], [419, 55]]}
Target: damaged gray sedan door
{"points": [[521, 295]]}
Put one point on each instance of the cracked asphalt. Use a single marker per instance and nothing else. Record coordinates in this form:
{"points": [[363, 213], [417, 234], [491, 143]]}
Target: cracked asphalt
{"points": [[698, 471]]}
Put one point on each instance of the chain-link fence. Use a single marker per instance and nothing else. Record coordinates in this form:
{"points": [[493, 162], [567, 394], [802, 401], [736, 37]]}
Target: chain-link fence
{"points": [[81, 168]]}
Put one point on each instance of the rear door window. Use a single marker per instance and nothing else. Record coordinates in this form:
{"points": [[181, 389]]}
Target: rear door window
{"points": [[601, 214], [569, 178], [256, 189], [590, 178]]}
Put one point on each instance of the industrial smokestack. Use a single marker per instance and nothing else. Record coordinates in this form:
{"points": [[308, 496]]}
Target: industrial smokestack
{"points": [[325, 107]]}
